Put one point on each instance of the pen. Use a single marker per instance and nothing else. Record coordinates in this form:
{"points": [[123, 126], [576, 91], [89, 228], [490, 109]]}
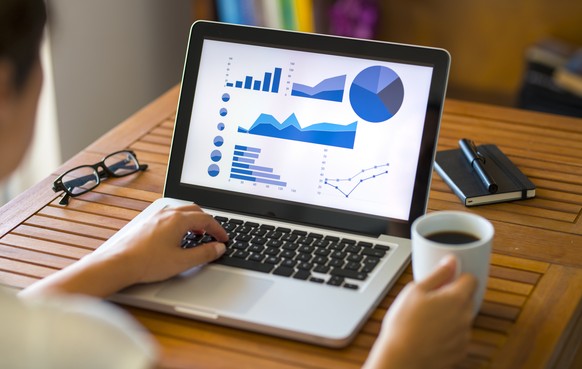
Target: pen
{"points": [[476, 160]]}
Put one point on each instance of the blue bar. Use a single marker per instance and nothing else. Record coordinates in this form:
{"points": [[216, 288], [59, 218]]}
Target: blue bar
{"points": [[241, 171], [244, 178], [244, 160], [238, 84], [267, 81], [229, 84], [247, 154], [276, 80], [258, 180], [246, 148], [257, 85], [253, 167], [248, 82], [268, 181], [264, 175]]}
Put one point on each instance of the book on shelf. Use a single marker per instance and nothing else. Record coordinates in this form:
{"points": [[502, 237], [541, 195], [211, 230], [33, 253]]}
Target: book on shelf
{"points": [[454, 168], [569, 75]]}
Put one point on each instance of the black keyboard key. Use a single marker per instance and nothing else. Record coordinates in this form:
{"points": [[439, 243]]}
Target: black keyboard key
{"points": [[354, 249], [373, 252], [259, 240], [322, 252], [221, 219], [290, 237], [365, 244], [382, 247], [283, 230], [303, 257], [305, 249], [321, 243], [257, 257], [298, 232], [243, 229], [274, 235], [305, 266], [275, 243], [288, 254], [284, 271], [337, 246], [273, 260], [245, 264], [338, 254], [316, 235], [351, 286], [302, 274], [239, 245], [290, 246], [256, 248], [229, 227], [337, 263], [323, 269], [268, 227], [259, 232], [346, 273], [289, 263], [321, 260], [236, 221], [244, 237], [347, 240], [355, 257], [306, 240], [252, 224], [331, 238], [353, 266], [335, 281], [241, 254], [316, 280]]}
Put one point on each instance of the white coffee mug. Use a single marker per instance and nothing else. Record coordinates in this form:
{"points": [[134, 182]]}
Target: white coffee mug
{"points": [[473, 255]]}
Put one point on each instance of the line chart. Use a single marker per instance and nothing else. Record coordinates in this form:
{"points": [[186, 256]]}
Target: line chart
{"points": [[348, 185]]}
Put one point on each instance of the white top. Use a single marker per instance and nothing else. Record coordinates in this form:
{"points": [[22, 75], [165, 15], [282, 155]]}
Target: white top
{"points": [[70, 332]]}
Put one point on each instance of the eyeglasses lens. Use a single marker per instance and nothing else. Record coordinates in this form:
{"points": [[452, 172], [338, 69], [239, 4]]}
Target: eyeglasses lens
{"points": [[81, 180], [121, 163]]}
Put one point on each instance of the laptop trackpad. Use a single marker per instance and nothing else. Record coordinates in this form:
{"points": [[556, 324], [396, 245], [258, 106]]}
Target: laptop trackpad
{"points": [[216, 290]]}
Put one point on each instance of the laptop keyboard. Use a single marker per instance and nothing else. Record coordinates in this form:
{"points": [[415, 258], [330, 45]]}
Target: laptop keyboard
{"points": [[295, 253]]}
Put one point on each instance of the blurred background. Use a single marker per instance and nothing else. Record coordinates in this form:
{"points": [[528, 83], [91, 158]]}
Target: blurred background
{"points": [[106, 59]]}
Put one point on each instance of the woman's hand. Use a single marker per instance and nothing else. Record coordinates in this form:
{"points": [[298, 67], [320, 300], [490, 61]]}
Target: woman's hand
{"points": [[428, 325], [148, 253], [153, 249]]}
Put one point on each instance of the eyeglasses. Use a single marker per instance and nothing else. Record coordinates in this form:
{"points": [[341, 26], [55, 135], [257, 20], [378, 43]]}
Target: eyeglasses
{"points": [[84, 178]]}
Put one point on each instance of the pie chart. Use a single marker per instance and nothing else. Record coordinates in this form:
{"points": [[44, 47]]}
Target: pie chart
{"points": [[376, 94]]}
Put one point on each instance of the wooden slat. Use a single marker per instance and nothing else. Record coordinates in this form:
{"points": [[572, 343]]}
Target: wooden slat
{"points": [[70, 227], [89, 243], [47, 247]]}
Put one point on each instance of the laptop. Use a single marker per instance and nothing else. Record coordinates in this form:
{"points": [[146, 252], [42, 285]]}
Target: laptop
{"points": [[315, 153]]}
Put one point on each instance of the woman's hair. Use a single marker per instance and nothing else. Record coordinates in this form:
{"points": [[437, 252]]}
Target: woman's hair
{"points": [[21, 27]]}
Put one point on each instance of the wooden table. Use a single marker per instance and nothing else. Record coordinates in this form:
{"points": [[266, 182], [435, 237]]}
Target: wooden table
{"points": [[532, 315]]}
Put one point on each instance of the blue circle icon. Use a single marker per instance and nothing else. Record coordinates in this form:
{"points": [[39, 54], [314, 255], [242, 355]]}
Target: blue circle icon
{"points": [[215, 155], [225, 97], [213, 170], [376, 94], [218, 141], [220, 126], [223, 112]]}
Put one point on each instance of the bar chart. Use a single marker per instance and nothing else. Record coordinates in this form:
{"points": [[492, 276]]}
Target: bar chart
{"points": [[245, 169], [270, 82]]}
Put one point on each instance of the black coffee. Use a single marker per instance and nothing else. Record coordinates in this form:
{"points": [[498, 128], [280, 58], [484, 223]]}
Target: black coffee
{"points": [[452, 238]]}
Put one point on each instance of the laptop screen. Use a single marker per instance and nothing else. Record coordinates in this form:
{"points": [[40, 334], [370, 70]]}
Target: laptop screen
{"points": [[300, 130], [326, 130]]}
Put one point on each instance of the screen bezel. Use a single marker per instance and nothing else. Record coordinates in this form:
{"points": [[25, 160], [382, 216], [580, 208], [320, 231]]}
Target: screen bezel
{"points": [[300, 213]]}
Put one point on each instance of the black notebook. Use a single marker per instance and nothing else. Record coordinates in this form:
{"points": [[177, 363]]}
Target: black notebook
{"points": [[456, 171]]}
